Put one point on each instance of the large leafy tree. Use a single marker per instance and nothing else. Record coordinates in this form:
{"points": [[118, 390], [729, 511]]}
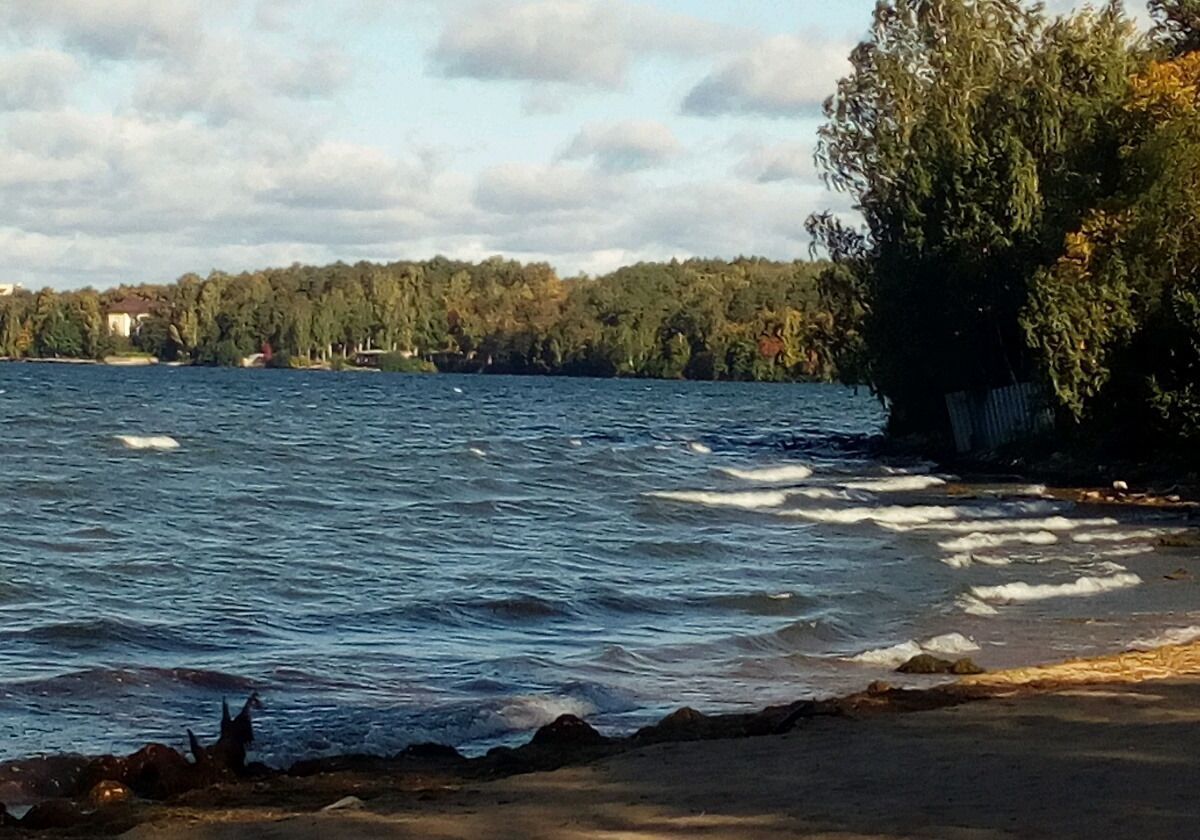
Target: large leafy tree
{"points": [[972, 135], [1117, 319]]}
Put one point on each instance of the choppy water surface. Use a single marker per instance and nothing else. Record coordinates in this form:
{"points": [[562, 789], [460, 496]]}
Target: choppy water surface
{"points": [[390, 559]]}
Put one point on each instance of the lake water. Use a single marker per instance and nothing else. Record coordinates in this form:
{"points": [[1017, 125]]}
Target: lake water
{"points": [[390, 559]]}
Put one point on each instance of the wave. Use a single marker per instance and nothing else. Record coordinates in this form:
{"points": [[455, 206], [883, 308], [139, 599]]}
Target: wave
{"points": [[973, 606], [1010, 593], [524, 713], [896, 483], [788, 472], [951, 644], [700, 448], [902, 514], [1049, 523], [1123, 536], [160, 443], [746, 500], [977, 540], [1172, 636]]}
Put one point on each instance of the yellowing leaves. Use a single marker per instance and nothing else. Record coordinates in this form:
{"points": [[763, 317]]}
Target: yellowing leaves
{"points": [[1167, 89]]}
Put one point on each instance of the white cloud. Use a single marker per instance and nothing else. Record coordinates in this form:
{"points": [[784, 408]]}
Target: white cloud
{"points": [[35, 79], [782, 76], [581, 42], [778, 162], [112, 29], [624, 146]]}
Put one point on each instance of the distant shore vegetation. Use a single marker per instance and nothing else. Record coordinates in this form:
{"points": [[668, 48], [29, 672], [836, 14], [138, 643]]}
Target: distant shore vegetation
{"points": [[746, 319]]}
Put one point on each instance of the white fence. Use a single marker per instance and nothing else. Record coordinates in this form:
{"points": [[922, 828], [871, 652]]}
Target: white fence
{"points": [[985, 420]]}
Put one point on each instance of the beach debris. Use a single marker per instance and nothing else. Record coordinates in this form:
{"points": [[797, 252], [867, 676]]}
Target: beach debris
{"points": [[108, 792], [925, 663], [346, 803]]}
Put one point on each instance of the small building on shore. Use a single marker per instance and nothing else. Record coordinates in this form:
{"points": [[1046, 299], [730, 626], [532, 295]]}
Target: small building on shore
{"points": [[125, 317], [7, 289]]}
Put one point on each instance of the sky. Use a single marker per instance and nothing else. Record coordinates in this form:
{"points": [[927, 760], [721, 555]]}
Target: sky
{"points": [[143, 139]]}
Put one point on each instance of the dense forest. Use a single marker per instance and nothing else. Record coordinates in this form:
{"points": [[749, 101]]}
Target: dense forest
{"points": [[749, 319], [1029, 187]]}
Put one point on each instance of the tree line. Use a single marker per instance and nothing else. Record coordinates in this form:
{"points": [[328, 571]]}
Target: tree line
{"points": [[746, 319], [1029, 187]]}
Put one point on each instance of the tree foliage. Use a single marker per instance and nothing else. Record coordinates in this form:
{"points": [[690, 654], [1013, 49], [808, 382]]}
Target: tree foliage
{"points": [[972, 135], [747, 319]]}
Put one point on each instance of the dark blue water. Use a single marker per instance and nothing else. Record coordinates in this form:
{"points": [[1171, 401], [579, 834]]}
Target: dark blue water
{"points": [[389, 559]]}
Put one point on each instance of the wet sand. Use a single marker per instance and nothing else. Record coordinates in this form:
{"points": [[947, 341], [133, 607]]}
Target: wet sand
{"points": [[1071, 758]]}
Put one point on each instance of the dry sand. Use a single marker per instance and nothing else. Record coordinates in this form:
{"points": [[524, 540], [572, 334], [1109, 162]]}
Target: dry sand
{"points": [[1118, 760]]}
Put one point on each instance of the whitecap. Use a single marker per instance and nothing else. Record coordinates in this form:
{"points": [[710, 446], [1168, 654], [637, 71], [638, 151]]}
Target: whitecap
{"points": [[1009, 593], [973, 606], [700, 448], [475, 450], [457, 390], [903, 514], [525, 713], [896, 655], [1123, 536], [787, 472], [576, 442], [160, 443], [1172, 636], [896, 483], [977, 540], [746, 500], [1049, 523]]}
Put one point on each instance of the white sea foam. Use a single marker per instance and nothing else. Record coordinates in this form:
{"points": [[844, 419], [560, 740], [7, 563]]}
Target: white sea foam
{"points": [[1126, 551], [902, 514], [973, 606], [160, 443], [1123, 536], [984, 526], [966, 559], [1020, 592], [950, 644], [977, 540], [780, 596], [576, 442], [700, 448], [1172, 636], [821, 494], [787, 472], [746, 500], [896, 483], [458, 390], [532, 712], [475, 450]]}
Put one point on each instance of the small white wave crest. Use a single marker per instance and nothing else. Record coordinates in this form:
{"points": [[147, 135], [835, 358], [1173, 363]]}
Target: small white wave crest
{"points": [[896, 483], [771, 475], [1010, 593], [745, 500], [160, 443], [1172, 636], [978, 540], [983, 526], [902, 514], [532, 712], [950, 644]]}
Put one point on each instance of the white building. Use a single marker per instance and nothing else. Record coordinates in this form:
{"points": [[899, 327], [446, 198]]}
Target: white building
{"points": [[7, 289], [125, 316]]}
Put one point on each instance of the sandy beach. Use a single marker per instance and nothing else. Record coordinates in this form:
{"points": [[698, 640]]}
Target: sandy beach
{"points": [[1046, 752]]}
